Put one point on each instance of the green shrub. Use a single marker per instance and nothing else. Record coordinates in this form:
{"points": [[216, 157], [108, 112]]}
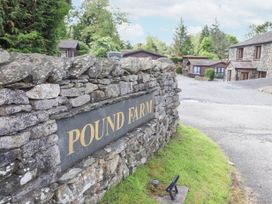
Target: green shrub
{"points": [[83, 48], [179, 69], [176, 60], [209, 73]]}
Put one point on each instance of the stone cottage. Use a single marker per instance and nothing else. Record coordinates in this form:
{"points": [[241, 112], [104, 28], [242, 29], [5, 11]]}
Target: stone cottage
{"points": [[250, 59]]}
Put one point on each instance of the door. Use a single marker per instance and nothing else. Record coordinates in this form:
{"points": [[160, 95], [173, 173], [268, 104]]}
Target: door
{"points": [[262, 74], [229, 75], [244, 76]]}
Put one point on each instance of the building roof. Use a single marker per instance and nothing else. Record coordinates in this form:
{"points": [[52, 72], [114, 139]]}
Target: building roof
{"points": [[66, 44], [205, 62], [259, 39], [131, 52], [194, 57], [242, 64]]}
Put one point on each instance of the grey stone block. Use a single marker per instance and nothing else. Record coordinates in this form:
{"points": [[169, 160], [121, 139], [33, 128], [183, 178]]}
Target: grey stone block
{"points": [[21, 121], [14, 141], [72, 173], [81, 64], [44, 91], [79, 101], [126, 87], [44, 129], [11, 109], [4, 56], [112, 90], [8, 96]]}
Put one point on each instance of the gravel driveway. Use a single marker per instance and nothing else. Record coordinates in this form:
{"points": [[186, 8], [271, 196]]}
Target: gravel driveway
{"points": [[239, 118]]}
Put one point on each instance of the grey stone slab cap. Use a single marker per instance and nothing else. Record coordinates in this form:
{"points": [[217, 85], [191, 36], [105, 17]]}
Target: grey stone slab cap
{"points": [[180, 198]]}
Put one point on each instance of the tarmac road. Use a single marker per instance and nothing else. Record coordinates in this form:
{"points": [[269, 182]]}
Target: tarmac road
{"points": [[239, 118]]}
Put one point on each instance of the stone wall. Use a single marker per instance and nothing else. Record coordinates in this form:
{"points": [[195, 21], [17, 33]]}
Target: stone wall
{"points": [[37, 90]]}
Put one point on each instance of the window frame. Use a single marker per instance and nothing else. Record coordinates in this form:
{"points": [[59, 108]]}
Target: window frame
{"points": [[258, 52], [240, 53], [219, 70], [198, 70]]}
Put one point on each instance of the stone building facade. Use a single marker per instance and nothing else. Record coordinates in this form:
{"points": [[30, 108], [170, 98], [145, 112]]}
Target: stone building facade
{"points": [[36, 91], [252, 57]]}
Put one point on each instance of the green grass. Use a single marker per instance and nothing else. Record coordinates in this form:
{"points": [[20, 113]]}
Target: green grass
{"points": [[199, 162]]}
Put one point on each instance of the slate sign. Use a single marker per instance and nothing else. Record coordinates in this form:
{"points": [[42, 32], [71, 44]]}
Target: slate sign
{"points": [[87, 132]]}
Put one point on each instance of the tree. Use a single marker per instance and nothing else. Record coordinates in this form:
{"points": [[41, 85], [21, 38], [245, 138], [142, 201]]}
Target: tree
{"points": [[214, 42], [206, 45], [182, 42], [32, 26], [259, 29], [231, 39], [98, 26], [101, 45], [138, 46], [204, 33], [83, 48], [151, 44], [161, 47], [219, 41], [127, 45]]}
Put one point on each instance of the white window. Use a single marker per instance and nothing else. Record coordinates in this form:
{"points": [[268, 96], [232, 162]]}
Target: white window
{"points": [[196, 70], [219, 70]]}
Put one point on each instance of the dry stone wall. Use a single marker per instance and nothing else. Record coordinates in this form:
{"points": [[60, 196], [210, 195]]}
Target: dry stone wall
{"points": [[36, 91]]}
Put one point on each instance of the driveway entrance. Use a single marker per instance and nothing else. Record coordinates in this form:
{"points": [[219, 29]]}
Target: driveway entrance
{"points": [[238, 118]]}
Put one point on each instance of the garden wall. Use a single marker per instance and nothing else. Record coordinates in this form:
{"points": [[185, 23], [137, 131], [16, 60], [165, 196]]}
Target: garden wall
{"points": [[72, 128]]}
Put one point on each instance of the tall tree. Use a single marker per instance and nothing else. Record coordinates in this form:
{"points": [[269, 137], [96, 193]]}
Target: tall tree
{"points": [[98, 25], [127, 45], [219, 41], [162, 47], [182, 42], [231, 39], [204, 33], [32, 26], [259, 29], [151, 44]]}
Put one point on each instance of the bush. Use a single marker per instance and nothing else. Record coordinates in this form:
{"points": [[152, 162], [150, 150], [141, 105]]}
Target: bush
{"points": [[179, 69], [209, 73], [176, 60], [83, 48]]}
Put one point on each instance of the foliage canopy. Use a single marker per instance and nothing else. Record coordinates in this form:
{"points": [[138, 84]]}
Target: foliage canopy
{"points": [[97, 27], [32, 26], [182, 41]]}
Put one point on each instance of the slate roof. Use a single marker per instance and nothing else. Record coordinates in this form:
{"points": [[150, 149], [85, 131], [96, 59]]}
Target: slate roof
{"points": [[242, 64], [194, 57], [205, 62], [131, 52], [259, 39], [65, 44]]}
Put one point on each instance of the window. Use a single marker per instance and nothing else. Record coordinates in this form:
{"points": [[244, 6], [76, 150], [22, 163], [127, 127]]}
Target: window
{"points": [[258, 51], [196, 70], [219, 72], [240, 53]]}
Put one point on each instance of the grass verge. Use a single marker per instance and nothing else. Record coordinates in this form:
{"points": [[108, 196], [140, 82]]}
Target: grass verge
{"points": [[199, 162]]}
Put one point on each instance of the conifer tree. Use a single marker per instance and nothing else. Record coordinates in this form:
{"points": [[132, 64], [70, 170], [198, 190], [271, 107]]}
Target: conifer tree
{"points": [[32, 25], [182, 42]]}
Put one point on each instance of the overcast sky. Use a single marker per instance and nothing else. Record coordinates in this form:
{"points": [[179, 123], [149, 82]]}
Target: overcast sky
{"points": [[159, 18]]}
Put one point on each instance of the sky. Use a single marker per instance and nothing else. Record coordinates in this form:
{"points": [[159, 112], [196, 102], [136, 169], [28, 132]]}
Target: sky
{"points": [[159, 18]]}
